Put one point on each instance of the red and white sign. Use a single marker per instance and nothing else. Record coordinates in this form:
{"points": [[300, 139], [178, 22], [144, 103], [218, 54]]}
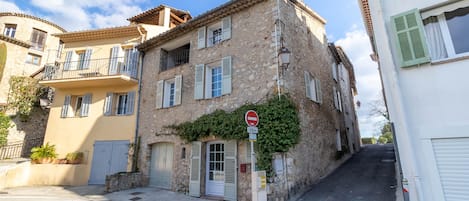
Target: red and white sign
{"points": [[251, 118]]}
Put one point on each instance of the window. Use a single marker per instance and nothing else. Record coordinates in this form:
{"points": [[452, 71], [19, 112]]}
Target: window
{"points": [[433, 35], [337, 99], [76, 106], [213, 80], [78, 60], [168, 92], [81, 60], [33, 59], [175, 57], [334, 70], [119, 104], [60, 49], [38, 38], [214, 34], [313, 88], [10, 30]]}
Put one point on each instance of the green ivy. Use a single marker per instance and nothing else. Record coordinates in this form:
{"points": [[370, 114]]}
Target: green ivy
{"points": [[5, 124], [23, 94], [279, 128]]}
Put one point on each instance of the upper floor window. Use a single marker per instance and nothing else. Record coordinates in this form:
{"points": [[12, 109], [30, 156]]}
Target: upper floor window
{"points": [[432, 35], [77, 60], [10, 30], [313, 88], [33, 59], [76, 106], [334, 70], [168, 92], [215, 33], [38, 39], [119, 103], [175, 57], [213, 80], [337, 99], [123, 60]]}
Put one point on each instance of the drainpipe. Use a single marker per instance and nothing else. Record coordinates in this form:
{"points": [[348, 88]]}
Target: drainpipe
{"points": [[135, 156], [276, 47]]}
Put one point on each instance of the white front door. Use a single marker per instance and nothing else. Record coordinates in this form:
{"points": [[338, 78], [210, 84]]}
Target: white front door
{"points": [[215, 178], [161, 165]]}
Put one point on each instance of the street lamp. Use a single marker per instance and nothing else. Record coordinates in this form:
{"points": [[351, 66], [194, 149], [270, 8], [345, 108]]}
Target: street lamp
{"points": [[284, 56]]}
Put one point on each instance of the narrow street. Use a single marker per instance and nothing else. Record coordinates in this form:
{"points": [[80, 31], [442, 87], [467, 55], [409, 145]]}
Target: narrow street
{"points": [[367, 176]]}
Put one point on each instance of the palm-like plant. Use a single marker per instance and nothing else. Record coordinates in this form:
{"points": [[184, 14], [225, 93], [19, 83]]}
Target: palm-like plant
{"points": [[43, 152]]}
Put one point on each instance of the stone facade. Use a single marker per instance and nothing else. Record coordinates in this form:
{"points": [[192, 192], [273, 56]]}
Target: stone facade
{"points": [[122, 181], [256, 35]]}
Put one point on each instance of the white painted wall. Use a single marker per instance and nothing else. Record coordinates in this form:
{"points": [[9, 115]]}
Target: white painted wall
{"points": [[424, 102]]}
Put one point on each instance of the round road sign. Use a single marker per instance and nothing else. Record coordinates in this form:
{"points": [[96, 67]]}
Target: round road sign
{"points": [[251, 118]]}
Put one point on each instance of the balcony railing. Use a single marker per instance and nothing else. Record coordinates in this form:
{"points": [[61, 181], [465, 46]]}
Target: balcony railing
{"points": [[91, 68]]}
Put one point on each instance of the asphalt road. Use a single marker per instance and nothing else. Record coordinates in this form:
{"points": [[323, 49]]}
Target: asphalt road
{"points": [[367, 176]]}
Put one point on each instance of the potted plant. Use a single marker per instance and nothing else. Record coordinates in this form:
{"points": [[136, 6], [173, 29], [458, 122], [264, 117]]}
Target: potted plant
{"points": [[74, 157], [43, 154]]}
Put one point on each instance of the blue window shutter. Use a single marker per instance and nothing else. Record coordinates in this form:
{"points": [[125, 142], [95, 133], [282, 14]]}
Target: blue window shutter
{"points": [[134, 63], [177, 89], [194, 176], [68, 60], [410, 38], [113, 63], [85, 105], [226, 27], [201, 37], [65, 106], [108, 104], [230, 192], [199, 81], [130, 103], [226, 75], [87, 60]]}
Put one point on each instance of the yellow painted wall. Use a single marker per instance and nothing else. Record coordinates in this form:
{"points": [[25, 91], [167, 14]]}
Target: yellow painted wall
{"points": [[80, 133]]}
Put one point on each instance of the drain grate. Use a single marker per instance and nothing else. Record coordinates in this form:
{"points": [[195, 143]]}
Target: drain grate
{"points": [[135, 198]]}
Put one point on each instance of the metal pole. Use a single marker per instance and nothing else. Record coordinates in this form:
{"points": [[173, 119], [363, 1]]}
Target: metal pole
{"points": [[253, 173]]}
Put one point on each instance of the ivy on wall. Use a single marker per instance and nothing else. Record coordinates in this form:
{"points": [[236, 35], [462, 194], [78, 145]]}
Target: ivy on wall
{"points": [[4, 126], [279, 128], [23, 94]]}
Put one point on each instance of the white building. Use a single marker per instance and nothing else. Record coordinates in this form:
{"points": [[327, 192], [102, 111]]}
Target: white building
{"points": [[422, 49]]}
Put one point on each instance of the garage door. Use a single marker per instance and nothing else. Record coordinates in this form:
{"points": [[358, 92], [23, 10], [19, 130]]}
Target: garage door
{"points": [[452, 158], [161, 165], [109, 157]]}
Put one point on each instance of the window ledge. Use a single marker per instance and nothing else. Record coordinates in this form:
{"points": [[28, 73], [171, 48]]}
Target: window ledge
{"points": [[449, 60]]}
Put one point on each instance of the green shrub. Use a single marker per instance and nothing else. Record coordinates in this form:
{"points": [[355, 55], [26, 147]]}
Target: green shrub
{"points": [[369, 140], [4, 126], [45, 151], [74, 156]]}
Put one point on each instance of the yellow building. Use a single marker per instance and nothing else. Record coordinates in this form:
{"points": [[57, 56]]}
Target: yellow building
{"points": [[96, 86], [29, 44]]}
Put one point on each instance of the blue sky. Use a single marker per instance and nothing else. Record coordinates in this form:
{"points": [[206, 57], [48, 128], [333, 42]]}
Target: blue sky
{"points": [[344, 27]]}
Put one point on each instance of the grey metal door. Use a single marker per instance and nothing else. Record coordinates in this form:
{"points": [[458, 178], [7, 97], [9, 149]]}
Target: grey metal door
{"points": [[109, 157], [161, 165]]}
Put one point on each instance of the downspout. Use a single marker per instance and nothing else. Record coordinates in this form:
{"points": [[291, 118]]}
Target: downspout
{"points": [[136, 141], [276, 47]]}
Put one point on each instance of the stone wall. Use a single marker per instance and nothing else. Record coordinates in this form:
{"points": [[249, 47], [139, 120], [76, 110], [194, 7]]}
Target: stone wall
{"points": [[122, 181]]}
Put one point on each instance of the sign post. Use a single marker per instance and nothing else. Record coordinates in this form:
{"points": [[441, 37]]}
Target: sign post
{"points": [[252, 119]]}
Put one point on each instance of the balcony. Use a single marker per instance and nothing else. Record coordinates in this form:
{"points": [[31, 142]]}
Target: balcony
{"points": [[116, 71]]}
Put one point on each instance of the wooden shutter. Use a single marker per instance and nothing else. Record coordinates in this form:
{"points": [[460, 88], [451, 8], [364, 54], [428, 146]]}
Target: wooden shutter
{"points": [[108, 104], [177, 89], [163, 60], [134, 63], [65, 106], [159, 94], [199, 82], [334, 71], [201, 37], [129, 108], [226, 28], [68, 60], [339, 98], [318, 91], [411, 42], [308, 85], [230, 171], [113, 63], [85, 105], [194, 182], [226, 75], [208, 83], [336, 102], [86, 62]]}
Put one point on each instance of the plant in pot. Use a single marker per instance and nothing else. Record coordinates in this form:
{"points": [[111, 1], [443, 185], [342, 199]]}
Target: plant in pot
{"points": [[74, 157], [43, 154]]}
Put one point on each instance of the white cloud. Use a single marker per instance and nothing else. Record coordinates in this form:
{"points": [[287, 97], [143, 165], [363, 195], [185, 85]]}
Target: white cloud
{"points": [[6, 6], [357, 46]]}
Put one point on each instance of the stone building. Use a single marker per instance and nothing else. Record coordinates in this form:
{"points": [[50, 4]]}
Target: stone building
{"points": [[29, 44], [224, 59]]}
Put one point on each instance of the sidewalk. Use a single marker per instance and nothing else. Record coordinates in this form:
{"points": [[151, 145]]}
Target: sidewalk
{"points": [[89, 193]]}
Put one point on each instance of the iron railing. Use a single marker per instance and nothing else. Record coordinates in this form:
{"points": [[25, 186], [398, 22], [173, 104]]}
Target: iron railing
{"points": [[11, 151], [91, 68]]}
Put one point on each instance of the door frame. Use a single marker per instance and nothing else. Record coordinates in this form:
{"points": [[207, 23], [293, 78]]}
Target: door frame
{"points": [[207, 165]]}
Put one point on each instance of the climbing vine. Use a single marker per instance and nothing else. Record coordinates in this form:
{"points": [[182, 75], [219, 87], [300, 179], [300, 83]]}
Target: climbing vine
{"points": [[23, 94], [4, 126], [279, 128]]}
